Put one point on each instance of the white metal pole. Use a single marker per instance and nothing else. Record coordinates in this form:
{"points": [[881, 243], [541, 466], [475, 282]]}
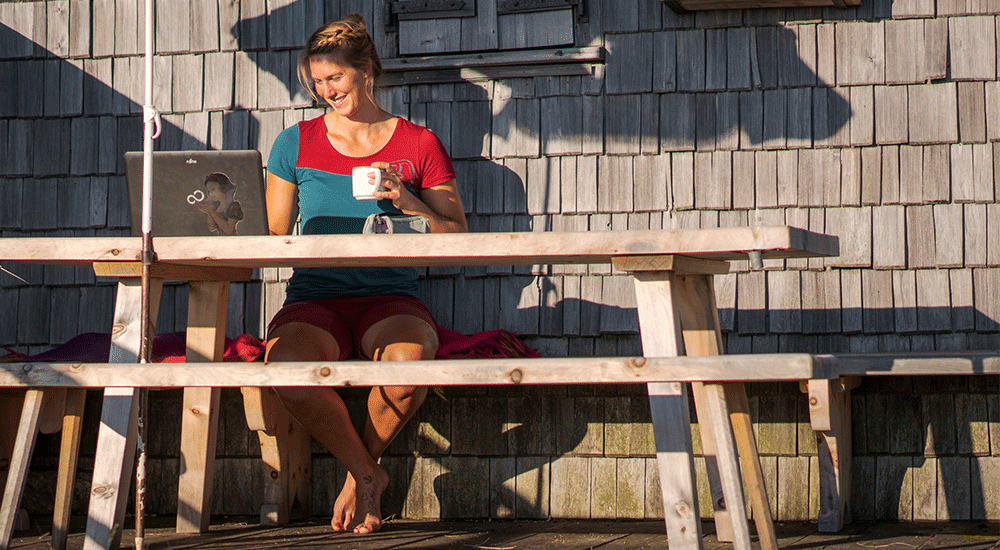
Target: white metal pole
{"points": [[151, 129]]}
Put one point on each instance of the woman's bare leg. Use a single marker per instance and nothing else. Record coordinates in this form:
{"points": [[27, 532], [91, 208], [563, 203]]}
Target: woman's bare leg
{"points": [[397, 338], [323, 413]]}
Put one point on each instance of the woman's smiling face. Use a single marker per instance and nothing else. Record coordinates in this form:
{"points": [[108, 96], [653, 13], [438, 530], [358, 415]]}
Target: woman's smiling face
{"points": [[339, 84]]}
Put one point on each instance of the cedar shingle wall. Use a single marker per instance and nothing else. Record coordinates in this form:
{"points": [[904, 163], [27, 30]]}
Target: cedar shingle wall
{"points": [[877, 123]]}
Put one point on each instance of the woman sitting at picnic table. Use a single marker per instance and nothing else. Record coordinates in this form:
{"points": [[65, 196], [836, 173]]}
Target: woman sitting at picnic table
{"points": [[331, 314]]}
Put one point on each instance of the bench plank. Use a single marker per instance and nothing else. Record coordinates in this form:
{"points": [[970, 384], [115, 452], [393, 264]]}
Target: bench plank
{"points": [[580, 370]]}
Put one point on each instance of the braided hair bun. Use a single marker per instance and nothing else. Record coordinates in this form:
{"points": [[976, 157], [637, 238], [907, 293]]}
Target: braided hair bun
{"points": [[346, 40]]}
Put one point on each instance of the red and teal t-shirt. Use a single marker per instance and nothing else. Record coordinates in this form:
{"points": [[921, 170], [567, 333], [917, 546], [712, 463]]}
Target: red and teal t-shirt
{"points": [[304, 156]]}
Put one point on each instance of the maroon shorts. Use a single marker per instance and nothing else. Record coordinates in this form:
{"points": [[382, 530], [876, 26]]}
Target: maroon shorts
{"points": [[348, 319]]}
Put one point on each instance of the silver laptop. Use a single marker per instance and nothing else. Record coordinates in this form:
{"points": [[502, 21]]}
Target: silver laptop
{"points": [[200, 193]]}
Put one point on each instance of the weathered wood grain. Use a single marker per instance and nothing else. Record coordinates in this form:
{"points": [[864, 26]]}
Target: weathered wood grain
{"points": [[972, 47]]}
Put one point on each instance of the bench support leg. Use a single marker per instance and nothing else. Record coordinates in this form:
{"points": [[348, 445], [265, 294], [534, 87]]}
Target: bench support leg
{"points": [[830, 415], [695, 296], [659, 329], [117, 435], [206, 338], [69, 452], [17, 474], [285, 449]]}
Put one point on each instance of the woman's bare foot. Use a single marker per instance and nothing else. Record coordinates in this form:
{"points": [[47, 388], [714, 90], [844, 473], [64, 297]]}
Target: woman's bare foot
{"points": [[358, 507]]}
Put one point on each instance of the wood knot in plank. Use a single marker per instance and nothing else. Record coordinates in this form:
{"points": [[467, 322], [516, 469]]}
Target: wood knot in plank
{"points": [[324, 372], [516, 376]]}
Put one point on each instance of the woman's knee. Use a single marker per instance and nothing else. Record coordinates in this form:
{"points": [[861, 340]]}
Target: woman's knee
{"points": [[301, 342], [403, 397]]}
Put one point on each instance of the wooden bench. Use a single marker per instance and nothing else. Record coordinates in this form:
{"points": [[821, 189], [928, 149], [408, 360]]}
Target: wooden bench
{"points": [[672, 271]]}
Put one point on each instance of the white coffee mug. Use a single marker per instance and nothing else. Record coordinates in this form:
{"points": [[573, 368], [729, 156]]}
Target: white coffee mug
{"points": [[363, 185]]}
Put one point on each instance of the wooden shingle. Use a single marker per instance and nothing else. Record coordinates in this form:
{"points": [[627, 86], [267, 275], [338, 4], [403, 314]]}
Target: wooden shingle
{"points": [[921, 252], [751, 292], [805, 41], [738, 53], [788, 177], [751, 120], [826, 54], [811, 181], [586, 184], [911, 174], [691, 60], [677, 122], [992, 110], [246, 79], [860, 53], [51, 90], [652, 180], [889, 248], [124, 86], [57, 28], [79, 27], [219, 79], [470, 129], [187, 95], [890, 114], [103, 36], [971, 112], [986, 286], [975, 236], [716, 59], [904, 299], [649, 127], [593, 124], [664, 61], [854, 227], [85, 139], [705, 125], [764, 57], [173, 28], [622, 127], [19, 158], [890, 174], [543, 189], [962, 317], [799, 131], [962, 186], [765, 179], [871, 176], [629, 63], [515, 178], [863, 117], [936, 46], [983, 171], [286, 21], [936, 173], [567, 184], [904, 46], [949, 229], [618, 301], [850, 177], [252, 25], [775, 119], [933, 300], [682, 184], [784, 296], [195, 131], [972, 47], [876, 297], [933, 113], [561, 125], [97, 86], [743, 172], [614, 185]]}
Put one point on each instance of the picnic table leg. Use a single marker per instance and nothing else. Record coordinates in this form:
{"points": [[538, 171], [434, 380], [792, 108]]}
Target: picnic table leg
{"points": [[17, 473], [659, 329], [69, 451], [116, 438], [206, 333], [723, 525], [699, 316], [830, 416]]}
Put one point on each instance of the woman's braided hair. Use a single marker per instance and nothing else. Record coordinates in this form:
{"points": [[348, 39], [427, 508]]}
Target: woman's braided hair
{"points": [[348, 41]]}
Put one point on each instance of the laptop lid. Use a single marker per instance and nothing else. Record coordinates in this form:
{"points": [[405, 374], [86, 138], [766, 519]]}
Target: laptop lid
{"points": [[200, 193]]}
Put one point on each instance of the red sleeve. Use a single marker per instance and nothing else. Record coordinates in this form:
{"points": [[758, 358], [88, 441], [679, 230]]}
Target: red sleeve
{"points": [[435, 164]]}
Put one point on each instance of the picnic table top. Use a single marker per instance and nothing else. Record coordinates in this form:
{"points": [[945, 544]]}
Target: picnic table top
{"points": [[424, 250]]}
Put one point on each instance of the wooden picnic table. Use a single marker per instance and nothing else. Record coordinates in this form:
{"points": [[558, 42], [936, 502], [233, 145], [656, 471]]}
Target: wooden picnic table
{"points": [[678, 316]]}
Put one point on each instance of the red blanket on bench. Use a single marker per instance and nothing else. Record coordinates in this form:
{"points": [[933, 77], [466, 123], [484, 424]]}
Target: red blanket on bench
{"points": [[94, 347]]}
